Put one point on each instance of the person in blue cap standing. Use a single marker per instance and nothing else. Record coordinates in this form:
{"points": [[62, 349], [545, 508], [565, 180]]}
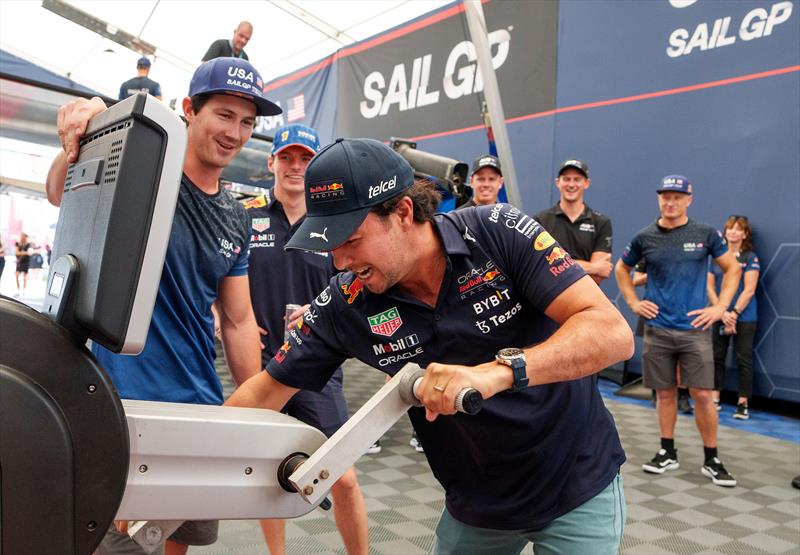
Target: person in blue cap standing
{"points": [[678, 319], [206, 262], [141, 82], [274, 218]]}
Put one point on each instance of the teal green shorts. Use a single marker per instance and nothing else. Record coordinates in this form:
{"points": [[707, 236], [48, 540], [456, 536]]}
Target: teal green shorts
{"points": [[594, 527]]}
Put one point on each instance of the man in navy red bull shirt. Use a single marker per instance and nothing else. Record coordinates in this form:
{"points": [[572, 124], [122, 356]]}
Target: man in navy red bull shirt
{"points": [[274, 218], [470, 296], [678, 319]]}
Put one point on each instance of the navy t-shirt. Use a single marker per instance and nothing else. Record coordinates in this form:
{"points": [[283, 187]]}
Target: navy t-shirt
{"points": [[208, 241], [748, 261], [677, 263], [527, 457], [279, 277], [139, 84]]}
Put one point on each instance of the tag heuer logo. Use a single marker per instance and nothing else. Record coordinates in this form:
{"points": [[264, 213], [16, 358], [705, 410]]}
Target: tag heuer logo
{"points": [[385, 323], [260, 224]]}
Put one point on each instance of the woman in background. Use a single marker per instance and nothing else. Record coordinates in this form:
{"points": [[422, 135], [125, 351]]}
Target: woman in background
{"points": [[739, 321]]}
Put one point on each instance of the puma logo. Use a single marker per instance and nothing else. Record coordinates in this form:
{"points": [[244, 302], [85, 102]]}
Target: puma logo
{"points": [[314, 234]]}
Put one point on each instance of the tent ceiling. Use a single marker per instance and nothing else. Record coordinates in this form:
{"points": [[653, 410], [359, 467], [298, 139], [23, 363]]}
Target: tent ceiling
{"points": [[288, 34]]}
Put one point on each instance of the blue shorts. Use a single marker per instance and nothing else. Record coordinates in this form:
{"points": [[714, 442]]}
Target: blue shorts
{"points": [[594, 527], [325, 410]]}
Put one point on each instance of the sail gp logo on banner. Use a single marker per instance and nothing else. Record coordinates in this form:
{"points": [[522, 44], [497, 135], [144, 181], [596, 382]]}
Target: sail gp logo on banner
{"points": [[406, 91], [725, 30]]}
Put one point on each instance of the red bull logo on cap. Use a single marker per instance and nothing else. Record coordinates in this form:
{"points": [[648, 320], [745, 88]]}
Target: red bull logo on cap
{"points": [[352, 290]]}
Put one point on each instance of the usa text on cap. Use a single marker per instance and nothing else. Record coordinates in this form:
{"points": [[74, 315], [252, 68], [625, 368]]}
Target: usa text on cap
{"points": [[675, 184], [343, 182], [234, 76]]}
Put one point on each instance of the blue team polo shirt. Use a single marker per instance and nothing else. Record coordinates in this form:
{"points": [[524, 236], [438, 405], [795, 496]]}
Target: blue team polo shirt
{"points": [[528, 457], [208, 241], [677, 264], [279, 277], [748, 261]]}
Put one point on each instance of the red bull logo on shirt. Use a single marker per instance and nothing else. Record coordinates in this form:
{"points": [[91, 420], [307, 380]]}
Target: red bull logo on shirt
{"points": [[352, 290], [556, 254], [385, 323], [280, 356]]}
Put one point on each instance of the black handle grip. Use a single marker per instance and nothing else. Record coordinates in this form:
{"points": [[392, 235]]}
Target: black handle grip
{"points": [[469, 401]]}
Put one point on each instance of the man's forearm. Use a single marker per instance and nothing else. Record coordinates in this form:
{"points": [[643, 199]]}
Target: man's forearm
{"points": [[625, 283], [54, 184], [261, 391], [589, 341], [730, 283], [242, 352]]}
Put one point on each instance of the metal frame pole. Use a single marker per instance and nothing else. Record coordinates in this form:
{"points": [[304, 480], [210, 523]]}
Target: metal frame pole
{"points": [[478, 34]]}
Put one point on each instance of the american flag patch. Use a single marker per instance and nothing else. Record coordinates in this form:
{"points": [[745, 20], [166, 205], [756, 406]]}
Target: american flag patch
{"points": [[297, 108]]}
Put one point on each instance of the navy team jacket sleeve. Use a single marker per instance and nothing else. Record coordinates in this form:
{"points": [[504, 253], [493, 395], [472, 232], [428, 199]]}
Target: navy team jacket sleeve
{"points": [[311, 354]]}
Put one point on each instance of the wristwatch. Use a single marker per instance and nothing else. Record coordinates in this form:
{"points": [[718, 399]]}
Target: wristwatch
{"points": [[515, 359]]}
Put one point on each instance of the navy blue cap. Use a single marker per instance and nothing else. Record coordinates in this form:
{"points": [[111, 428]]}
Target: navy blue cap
{"points": [[579, 165], [144, 61], [234, 76], [295, 134], [486, 161], [343, 182], [675, 184]]}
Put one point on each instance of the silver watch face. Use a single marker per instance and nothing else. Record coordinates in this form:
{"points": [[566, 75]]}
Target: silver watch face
{"points": [[510, 353]]}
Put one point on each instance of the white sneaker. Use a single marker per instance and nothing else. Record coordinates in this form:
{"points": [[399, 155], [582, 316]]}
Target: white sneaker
{"points": [[375, 448], [414, 442]]}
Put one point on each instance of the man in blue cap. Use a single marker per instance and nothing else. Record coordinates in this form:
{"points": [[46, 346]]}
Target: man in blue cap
{"points": [[274, 218], [480, 297], [141, 82], [206, 261], [678, 318]]}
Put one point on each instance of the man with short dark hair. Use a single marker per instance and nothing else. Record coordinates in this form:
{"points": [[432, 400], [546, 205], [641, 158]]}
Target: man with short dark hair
{"points": [[486, 181], [585, 233], [233, 48], [481, 297], [140, 83], [274, 218], [678, 319], [206, 261]]}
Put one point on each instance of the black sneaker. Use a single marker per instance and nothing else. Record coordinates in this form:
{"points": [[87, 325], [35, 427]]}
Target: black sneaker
{"points": [[662, 462], [683, 404], [715, 470], [741, 412]]}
